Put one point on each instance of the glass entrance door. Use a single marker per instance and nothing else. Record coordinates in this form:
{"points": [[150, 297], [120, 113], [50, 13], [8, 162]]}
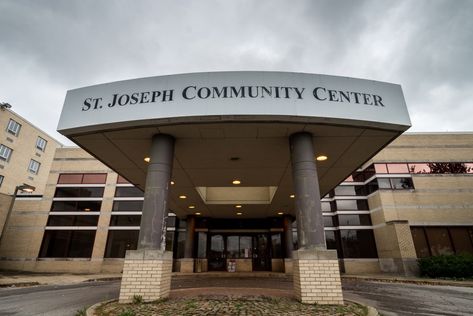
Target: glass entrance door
{"points": [[216, 255], [261, 257]]}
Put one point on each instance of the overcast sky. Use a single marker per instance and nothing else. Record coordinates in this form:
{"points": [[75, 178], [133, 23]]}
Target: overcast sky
{"points": [[49, 47]]}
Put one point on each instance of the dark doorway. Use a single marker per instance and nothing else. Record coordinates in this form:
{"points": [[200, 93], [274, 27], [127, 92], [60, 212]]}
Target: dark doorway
{"points": [[216, 253]]}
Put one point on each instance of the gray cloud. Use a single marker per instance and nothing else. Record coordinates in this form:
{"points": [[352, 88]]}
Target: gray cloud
{"points": [[48, 47]]}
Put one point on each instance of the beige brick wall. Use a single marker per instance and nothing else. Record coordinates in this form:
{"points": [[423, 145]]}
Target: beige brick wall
{"points": [[24, 149], [146, 273], [316, 277]]}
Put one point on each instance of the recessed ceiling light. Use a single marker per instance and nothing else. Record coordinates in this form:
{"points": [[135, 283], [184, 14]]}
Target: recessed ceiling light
{"points": [[280, 213], [191, 206], [292, 196], [236, 181], [321, 158], [182, 197], [198, 213], [87, 209], [147, 159], [238, 206], [172, 182], [239, 213]]}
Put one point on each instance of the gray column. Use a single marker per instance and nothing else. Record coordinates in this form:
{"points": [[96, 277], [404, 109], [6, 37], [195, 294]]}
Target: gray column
{"points": [[158, 177], [288, 242], [189, 244], [310, 225]]}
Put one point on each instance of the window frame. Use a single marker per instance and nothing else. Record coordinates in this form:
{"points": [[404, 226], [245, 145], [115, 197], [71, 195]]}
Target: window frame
{"points": [[33, 163], [7, 149], [41, 140], [13, 127]]}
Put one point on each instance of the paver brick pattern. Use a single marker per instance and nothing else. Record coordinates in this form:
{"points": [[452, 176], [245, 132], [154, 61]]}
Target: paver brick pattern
{"points": [[228, 305]]}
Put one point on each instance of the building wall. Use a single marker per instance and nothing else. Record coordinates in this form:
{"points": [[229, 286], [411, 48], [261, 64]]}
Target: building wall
{"points": [[434, 200], [15, 171]]}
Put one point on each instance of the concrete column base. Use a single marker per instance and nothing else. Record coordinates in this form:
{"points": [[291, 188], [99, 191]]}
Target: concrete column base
{"points": [[288, 265], [186, 265], [317, 277], [146, 273]]}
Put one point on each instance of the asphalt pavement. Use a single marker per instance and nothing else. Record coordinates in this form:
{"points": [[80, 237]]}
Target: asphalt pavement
{"points": [[388, 298]]}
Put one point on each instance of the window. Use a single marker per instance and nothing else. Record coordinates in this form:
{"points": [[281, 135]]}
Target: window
{"points": [[73, 220], [119, 241], [67, 244], [1, 180], [72, 192], [76, 206], [5, 152], [34, 166], [433, 241], [82, 178], [13, 127], [128, 192], [352, 205], [354, 220], [358, 243], [125, 220], [41, 143], [127, 206]]}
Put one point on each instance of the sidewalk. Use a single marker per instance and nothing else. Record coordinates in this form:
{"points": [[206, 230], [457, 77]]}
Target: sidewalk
{"points": [[22, 279]]}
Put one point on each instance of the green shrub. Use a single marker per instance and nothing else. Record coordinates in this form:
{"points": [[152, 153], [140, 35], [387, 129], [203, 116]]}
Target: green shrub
{"points": [[137, 299], [128, 312], [447, 266], [81, 312]]}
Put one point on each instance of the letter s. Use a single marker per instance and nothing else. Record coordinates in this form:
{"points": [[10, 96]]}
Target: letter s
{"points": [[87, 104]]}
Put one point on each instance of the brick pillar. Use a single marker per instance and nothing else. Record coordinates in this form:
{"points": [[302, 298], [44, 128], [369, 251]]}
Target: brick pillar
{"points": [[315, 269], [147, 271]]}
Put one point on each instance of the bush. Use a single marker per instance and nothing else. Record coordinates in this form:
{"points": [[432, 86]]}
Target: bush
{"points": [[447, 266], [137, 299]]}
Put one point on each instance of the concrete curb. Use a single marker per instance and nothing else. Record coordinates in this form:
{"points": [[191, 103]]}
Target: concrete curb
{"points": [[371, 310], [91, 310], [411, 281], [20, 284]]}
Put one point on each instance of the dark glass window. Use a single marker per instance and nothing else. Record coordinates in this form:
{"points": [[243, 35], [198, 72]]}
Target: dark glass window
{"points": [[462, 239], [276, 246], [328, 221], [128, 192], [119, 241], [76, 206], [67, 244], [171, 221], [127, 206], [295, 242], [419, 168], [233, 247], [73, 220], [331, 238], [181, 241], [79, 192], [201, 245], [380, 168], [439, 241], [354, 220], [245, 247], [170, 241], [358, 243], [125, 220], [420, 242]]}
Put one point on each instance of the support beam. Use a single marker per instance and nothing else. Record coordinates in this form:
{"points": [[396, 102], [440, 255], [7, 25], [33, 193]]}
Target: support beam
{"points": [[158, 178], [150, 265], [315, 269], [310, 224]]}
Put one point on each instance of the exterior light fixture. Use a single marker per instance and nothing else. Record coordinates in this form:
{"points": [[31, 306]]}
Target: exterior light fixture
{"points": [[239, 213], [197, 213], [23, 188], [172, 182], [321, 158], [147, 159], [238, 206], [280, 213], [236, 181], [191, 206], [182, 197], [292, 196]]}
